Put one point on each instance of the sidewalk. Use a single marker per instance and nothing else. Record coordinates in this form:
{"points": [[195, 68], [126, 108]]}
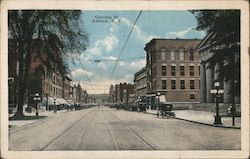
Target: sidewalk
{"points": [[48, 114], [203, 117]]}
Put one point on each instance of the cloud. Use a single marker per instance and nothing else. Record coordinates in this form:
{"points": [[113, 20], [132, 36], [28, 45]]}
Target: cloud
{"points": [[138, 64], [107, 43], [80, 72], [102, 66], [137, 30], [187, 33], [110, 58]]}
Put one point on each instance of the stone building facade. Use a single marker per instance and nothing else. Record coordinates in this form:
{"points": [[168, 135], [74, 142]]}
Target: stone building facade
{"points": [[173, 70], [210, 73]]}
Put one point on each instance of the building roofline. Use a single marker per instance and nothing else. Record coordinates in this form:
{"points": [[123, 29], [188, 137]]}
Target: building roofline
{"points": [[172, 39]]}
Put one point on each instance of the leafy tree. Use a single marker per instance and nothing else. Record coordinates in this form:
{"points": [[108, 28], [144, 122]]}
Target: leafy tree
{"points": [[53, 34], [224, 26]]}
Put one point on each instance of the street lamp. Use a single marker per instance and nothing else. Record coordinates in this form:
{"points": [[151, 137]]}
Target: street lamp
{"points": [[158, 102], [37, 99], [55, 105], [138, 104], [217, 92]]}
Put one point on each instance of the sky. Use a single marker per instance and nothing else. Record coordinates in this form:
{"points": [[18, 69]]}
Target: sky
{"points": [[108, 31]]}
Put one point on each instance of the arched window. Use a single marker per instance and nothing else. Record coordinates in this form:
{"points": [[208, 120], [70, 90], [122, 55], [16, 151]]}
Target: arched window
{"points": [[172, 54], [163, 54]]}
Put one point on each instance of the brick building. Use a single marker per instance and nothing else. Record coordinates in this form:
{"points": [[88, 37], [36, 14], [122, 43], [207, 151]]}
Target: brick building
{"points": [[122, 93], [173, 70], [140, 80], [49, 84]]}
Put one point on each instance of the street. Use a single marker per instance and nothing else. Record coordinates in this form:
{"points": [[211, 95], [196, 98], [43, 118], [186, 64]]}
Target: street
{"points": [[104, 128]]}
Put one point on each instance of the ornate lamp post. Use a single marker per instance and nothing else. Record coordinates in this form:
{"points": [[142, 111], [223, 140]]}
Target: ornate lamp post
{"points": [[217, 92], [158, 102], [37, 99], [54, 105], [138, 107]]}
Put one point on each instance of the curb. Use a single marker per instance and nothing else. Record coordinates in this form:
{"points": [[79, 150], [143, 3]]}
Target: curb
{"points": [[12, 130], [15, 129], [197, 122]]}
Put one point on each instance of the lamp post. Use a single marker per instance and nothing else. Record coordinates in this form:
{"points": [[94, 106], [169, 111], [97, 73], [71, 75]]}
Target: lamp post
{"points": [[158, 102], [55, 105], [217, 92], [138, 104], [37, 99]]}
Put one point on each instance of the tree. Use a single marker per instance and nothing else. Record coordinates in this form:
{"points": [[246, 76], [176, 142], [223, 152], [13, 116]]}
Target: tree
{"points": [[54, 34], [225, 26]]}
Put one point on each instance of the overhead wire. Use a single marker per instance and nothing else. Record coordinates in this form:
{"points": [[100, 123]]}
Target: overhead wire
{"points": [[86, 75], [124, 46], [127, 59]]}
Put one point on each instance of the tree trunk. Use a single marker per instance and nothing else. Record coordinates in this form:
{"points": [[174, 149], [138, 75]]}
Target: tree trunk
{"points": [[24, 64], [20, 84]]}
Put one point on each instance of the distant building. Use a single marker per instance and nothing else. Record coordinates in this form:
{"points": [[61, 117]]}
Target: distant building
{"points": [[140, 80], [111, 94], [122, 93], [72, 94], [173, 70], [66, 87]]}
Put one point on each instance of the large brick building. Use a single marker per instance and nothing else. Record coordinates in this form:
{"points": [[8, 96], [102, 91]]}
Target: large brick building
{"points": [[173, 70], [53, 88]]}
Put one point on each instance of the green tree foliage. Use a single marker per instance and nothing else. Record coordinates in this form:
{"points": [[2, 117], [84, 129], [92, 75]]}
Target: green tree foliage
{"points": [[224, 26], [53, 34]]}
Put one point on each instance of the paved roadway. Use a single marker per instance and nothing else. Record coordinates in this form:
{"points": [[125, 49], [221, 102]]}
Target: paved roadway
{"points": [[103, 128]]}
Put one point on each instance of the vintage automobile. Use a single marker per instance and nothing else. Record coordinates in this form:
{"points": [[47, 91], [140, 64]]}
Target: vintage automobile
{"points": [[165, 110]]}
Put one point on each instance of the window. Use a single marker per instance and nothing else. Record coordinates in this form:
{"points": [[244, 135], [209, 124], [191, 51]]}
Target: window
{"points": [[163, 54], [192, 96], [163, 70], [191, 54], [191, 84], [182, 70], [173, 84], [182, 84], [182, 55], [164, 84], [191, 68], [199, 70], [173, 70], [172, 55]]}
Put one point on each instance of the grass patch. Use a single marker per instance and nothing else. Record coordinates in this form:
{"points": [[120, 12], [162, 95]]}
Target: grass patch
{"points": [[27, 117]]}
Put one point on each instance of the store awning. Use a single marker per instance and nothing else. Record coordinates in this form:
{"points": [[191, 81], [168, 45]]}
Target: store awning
{"points": [[62, 101], [51, 101]]}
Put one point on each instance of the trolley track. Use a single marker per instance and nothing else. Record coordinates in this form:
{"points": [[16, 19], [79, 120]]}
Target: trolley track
{"points": [[67, 129], [132, 130], [116, 146], [85, 132]]}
